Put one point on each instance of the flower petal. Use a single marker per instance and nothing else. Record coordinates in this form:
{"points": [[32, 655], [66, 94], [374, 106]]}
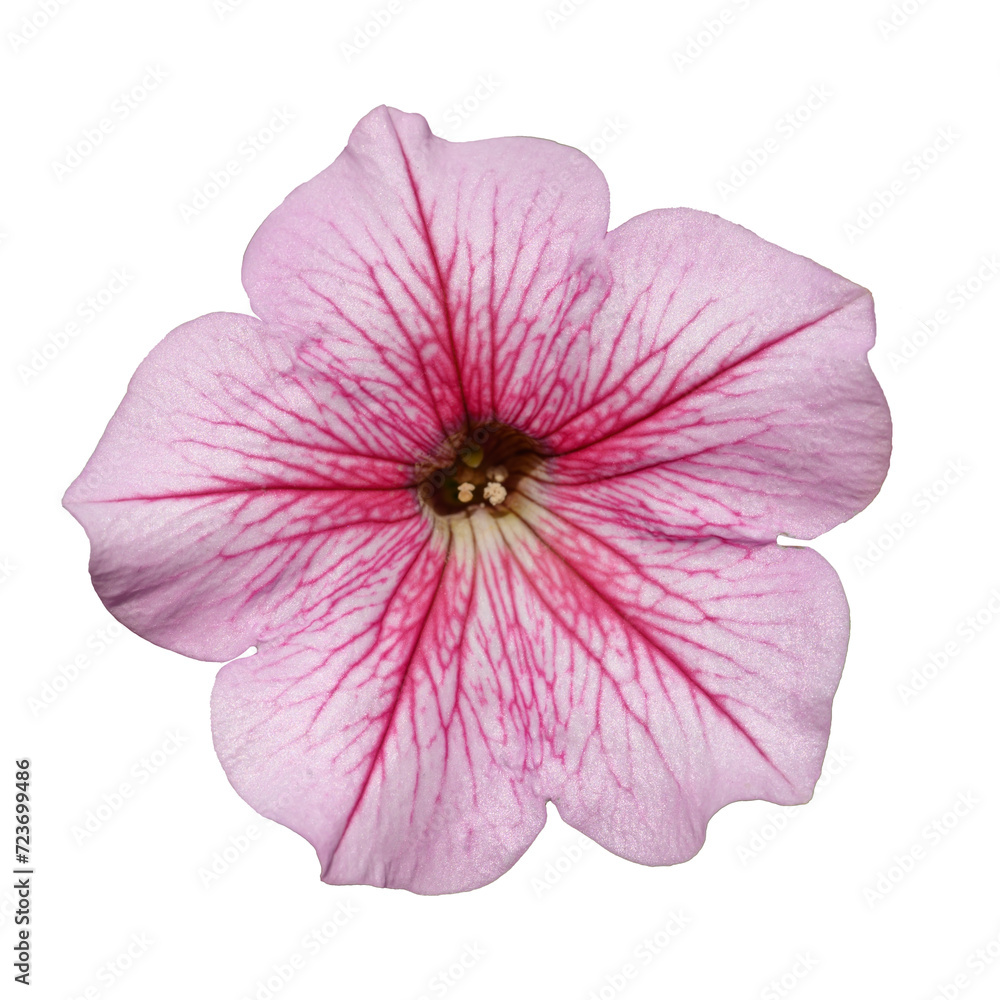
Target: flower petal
{"points": [[687, 674], [727, 390], [230, 482], [639, 685], [394, 735], [447, 268]]}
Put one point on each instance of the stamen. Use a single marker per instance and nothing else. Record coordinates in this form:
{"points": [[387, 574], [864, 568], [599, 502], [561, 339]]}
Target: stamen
{"points": [[468, 467], [495, 493]]}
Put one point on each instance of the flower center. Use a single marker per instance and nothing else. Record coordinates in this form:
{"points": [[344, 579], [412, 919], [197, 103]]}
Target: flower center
{"points": [[480, 469]]}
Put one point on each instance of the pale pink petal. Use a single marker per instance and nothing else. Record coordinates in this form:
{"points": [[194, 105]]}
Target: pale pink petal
{"points": [[683, 675], [403, 743], [639, 685], [233, 479], [453, 271], [727, 389]]}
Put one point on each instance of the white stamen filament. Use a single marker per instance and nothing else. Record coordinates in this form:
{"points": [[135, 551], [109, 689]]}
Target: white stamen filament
{"points": [[465, 491], [498, 473]]}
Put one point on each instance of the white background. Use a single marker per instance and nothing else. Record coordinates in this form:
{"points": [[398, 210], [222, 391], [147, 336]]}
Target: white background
{"points": [[812, 901]]}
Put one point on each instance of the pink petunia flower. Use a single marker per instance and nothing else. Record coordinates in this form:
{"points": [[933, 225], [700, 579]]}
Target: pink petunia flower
{"points": [[495, 493]]}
